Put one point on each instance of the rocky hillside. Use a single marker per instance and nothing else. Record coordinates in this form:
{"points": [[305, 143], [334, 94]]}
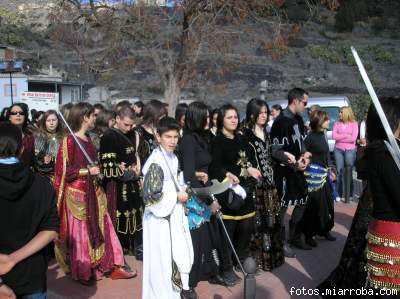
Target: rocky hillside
{"points": [[314, 54]]}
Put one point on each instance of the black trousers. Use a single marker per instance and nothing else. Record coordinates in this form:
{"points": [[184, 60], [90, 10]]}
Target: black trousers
{"points": [[295, 221], [204, 264], [240, 232]]}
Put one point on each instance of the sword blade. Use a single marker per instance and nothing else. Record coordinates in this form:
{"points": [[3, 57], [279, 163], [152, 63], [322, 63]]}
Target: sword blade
{"points": [[394, 147], [90, 161], [215, 188]]}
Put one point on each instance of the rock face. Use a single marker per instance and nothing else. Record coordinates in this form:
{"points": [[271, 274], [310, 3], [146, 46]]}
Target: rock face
{"points": [[315, 57]]}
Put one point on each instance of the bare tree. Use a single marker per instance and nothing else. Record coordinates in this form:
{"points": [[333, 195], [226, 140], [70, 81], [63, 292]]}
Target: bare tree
{"points": [[174, 38]]}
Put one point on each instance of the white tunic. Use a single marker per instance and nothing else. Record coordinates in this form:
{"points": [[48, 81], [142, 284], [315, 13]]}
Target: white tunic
{"points": [[157, 243]]}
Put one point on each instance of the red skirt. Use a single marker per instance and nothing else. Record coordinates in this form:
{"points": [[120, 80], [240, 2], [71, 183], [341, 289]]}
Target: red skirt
{"points": [[383, 254]]}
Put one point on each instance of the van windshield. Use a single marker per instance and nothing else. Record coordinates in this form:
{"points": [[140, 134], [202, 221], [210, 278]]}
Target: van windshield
{"points": [[333, 112]]}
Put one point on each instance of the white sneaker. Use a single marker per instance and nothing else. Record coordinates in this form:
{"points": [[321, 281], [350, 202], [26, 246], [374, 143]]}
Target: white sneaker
{"points": [[338, 199]]}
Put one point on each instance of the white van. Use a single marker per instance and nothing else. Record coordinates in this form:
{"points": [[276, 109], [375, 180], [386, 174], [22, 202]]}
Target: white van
{"points": [[330, 104]]}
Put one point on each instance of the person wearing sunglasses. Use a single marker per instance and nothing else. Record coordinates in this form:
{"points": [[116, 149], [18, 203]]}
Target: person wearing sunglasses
{"points": [[288, 150], [18, 116]]}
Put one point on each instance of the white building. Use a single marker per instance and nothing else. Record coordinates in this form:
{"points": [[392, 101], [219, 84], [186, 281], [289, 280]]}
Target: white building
{"points": [[68, 92], [19, 85]]}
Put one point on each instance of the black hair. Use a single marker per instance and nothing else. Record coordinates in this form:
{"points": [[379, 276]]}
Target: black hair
{"points": [[139, 104], [180, 111], [253, 110], [196, 117], [391, 107], [221, 114], [36, 115], [98, 106], [277, 107], [152, 112], [296, 93], [25, 110], [167, 124], [4, 113], [10, 140]]}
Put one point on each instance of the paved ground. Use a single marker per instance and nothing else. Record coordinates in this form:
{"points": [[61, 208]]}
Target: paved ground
{"points": [[307, 270]]}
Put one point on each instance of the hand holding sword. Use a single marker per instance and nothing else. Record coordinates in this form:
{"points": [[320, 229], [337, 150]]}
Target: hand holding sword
{"points": [[93, 167]]}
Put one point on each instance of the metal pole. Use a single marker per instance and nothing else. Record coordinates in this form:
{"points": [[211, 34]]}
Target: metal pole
{"points": [[249, 277], [11, 89]]}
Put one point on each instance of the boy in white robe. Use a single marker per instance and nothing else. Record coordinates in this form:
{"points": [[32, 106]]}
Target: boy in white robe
{"points": [[167, 245]]}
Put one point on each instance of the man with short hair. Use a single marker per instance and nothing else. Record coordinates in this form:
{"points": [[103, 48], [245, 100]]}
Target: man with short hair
{"points": [[167, 244], [288, 150], [121, 170], [275, 111], [28, 221]]}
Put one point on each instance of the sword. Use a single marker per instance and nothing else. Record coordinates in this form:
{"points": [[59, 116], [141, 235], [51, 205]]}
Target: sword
{"points": [[392, 145], [84, 152], [215, 188]]}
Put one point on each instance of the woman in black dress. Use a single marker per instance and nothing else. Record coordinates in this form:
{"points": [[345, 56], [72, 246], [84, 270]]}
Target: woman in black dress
{"points": [[233, 158], [383, 237], [267, 245], [318, 217], [18, 115], [377, 217], [195, 159]]}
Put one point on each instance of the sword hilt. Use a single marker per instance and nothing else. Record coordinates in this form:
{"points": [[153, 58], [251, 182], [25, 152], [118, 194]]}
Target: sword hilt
{"points": [[100, 176]]}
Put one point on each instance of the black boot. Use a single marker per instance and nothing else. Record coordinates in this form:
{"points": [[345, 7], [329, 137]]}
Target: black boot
{"points": [[299, 242], [311, 241], [287, 251], [329, 237]]}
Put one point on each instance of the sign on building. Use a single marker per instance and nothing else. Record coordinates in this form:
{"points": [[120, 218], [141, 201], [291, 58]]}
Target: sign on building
{"points": [[40, 101]]}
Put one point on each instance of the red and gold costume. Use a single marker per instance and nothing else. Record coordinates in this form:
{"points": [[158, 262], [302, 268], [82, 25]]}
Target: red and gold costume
{"points": [[28, 149], [383, 254], [87, 245]]}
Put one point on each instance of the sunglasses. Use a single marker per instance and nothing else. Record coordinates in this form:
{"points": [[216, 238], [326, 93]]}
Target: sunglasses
{"points": [[17, 113]]}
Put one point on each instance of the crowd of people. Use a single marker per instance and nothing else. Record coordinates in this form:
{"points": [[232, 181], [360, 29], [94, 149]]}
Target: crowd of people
{"points": [[120, 182]]}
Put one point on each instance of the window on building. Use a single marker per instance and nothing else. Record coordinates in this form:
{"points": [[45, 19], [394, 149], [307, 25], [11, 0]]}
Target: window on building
{"points": [[7, 90], [74, 95]]}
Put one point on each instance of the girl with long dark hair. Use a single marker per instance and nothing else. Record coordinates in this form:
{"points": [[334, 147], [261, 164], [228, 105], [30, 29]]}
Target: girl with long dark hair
{"points": [[18, 115], [267, 245], [195, 160]]}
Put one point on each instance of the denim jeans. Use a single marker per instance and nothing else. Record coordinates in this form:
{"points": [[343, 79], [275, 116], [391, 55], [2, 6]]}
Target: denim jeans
{"points": [[37, 295], [344, 159]]}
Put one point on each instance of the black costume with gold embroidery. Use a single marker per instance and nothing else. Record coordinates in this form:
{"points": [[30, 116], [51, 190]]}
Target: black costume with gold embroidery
{"points": [[123, 190], [235, 156], [266, 245]]}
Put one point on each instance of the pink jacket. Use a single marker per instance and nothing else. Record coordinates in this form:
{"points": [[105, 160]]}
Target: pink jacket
{"points": [[345, 135]]}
